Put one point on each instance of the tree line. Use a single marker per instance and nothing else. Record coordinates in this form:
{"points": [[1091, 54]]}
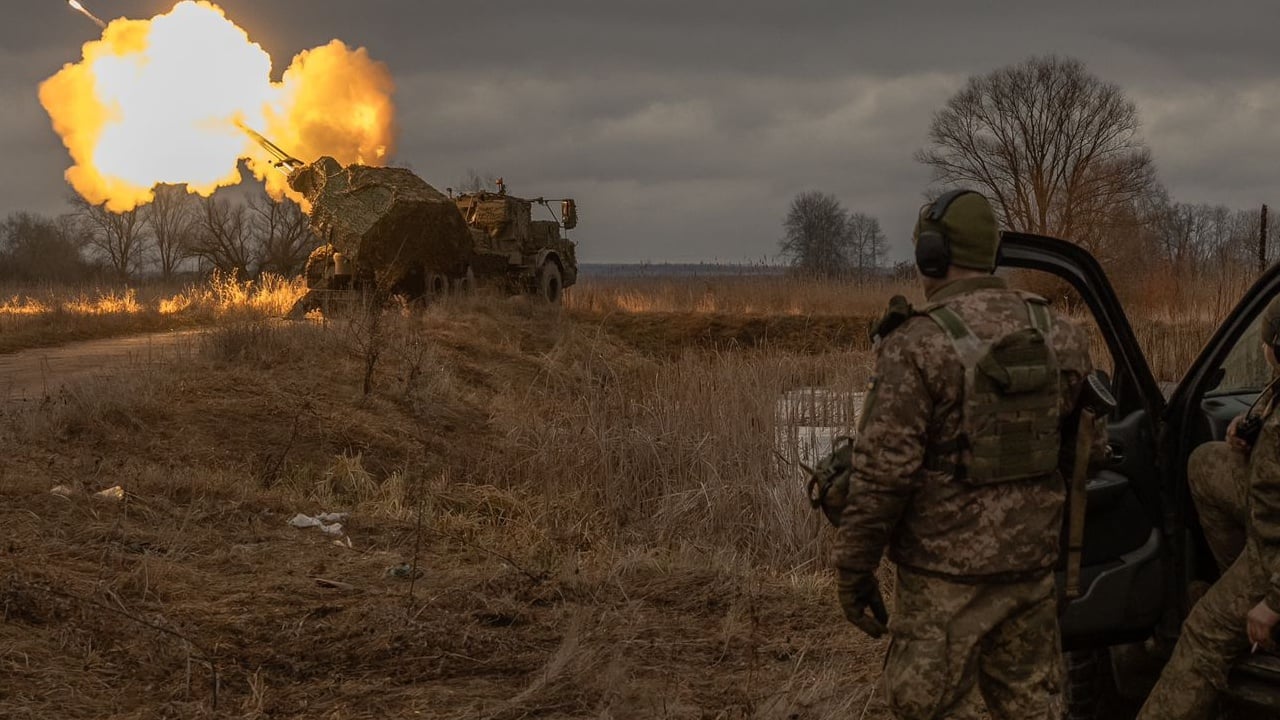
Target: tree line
{"points": [[237, 234], [1059, 152], [823, 237]]}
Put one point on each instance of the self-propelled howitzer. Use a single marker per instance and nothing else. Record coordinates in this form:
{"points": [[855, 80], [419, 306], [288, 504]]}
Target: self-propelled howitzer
{"points": [[387, 228]]}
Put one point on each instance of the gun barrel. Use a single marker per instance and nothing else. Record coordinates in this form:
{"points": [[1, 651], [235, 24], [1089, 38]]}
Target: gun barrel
{"points": [[285, 162]]}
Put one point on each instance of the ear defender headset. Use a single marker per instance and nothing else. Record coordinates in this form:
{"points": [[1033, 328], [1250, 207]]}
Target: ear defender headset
{"points": [[933, 247]]}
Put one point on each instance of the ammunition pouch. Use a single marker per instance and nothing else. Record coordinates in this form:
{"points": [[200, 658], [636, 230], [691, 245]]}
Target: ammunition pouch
{"points": [[828, 487], [1010, 419]]}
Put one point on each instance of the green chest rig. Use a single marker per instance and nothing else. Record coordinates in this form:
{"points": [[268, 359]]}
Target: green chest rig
{"points": [[1010, 426]]}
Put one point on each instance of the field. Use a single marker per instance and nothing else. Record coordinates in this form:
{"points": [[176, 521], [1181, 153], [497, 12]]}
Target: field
{"points": [[587, 511]]}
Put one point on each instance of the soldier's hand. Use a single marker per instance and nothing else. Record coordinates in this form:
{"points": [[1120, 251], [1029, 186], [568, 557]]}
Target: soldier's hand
{"points": [[858, 593], [1233, 439], [1261, 621]]}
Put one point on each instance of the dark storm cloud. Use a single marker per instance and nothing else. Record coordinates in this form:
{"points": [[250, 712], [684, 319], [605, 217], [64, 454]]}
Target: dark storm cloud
{"points": [[684, 128]]}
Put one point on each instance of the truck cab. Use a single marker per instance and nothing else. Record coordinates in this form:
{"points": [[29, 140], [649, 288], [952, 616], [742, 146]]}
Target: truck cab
{"points": [[508, 244]]}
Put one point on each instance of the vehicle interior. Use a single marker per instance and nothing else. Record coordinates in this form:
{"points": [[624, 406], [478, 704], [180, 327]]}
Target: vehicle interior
{"points": [[1122, 575], [1230, 389], [1143, 544], [1226, 388], [1121, 567]]}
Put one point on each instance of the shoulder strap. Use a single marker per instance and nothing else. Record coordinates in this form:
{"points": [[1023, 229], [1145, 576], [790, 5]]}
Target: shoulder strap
{"points": [[1038, 312], [968, 346], [970, 350]]}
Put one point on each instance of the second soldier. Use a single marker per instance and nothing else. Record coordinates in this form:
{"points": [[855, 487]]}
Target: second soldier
{"points": [[956, 471]]}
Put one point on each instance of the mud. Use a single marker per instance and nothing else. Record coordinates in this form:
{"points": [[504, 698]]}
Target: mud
{"points": [[32, 374]]}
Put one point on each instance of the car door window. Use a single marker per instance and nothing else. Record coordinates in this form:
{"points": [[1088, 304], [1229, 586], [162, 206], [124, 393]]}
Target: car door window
{"points": [[1245, 369]]}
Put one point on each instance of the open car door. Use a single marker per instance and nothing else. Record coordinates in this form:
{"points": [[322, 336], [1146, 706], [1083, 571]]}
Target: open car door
{"points": [[1222, 383], [1123, 574]]}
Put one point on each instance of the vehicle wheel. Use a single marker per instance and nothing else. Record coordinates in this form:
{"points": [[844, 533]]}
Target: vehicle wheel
{"points": [[437, 286], [550, 284], [466, 284]]}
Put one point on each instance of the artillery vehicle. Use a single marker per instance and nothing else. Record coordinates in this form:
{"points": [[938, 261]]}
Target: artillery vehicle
{"points": [[508, 244], [387, 229]]}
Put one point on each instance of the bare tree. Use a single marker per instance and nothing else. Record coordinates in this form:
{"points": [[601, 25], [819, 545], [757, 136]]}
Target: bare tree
{"points": [[223, 235], [1185, 231], [1193, 238], [816, 236], [283, 233], [172, 221], [867, 242], [34, 248], [120, 239], [1055, 147]]}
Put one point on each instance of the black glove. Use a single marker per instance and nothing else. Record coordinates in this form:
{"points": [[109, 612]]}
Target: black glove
{"points": [[858, 592]]}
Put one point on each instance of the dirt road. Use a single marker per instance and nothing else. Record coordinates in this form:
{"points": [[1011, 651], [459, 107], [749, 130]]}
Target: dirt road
{"points": [[32, 374]]}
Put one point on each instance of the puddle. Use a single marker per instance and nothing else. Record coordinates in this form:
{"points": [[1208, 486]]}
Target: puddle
{"points": [[809, 419]]}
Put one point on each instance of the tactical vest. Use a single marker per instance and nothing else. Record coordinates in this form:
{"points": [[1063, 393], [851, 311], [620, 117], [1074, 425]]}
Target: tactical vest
{"points": [[1009, 429]]}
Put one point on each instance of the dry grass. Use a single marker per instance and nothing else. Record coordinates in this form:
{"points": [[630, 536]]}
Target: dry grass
{"points": [[661, 316], [42, 316], [751, 295], [585, 511], [1172, 319], [223, 297], [598, 531], [681, 454]]}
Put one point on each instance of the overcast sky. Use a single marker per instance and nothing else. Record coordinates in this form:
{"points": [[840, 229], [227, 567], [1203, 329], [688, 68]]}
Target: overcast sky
{"points": [[685, 128]]}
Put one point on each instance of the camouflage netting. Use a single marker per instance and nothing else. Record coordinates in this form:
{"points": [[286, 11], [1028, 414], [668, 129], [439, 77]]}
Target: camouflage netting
{"points": [[500, 216], [386, 220]]}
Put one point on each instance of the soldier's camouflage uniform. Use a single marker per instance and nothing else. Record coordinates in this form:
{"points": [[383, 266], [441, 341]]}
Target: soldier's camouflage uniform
{"points": [[1237, 495], [975, 607]]}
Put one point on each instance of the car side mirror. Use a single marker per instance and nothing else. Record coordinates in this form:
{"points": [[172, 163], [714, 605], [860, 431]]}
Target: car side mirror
{"points": [[1216, 378]]}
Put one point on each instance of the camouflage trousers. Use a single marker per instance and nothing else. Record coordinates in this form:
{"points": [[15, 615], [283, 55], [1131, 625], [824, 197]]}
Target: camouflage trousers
{"points": [[1213, 635], [955, 645], [1219, 480]]}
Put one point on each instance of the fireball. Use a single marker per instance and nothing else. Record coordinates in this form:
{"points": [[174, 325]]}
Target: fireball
{"points": [[157, 101]]}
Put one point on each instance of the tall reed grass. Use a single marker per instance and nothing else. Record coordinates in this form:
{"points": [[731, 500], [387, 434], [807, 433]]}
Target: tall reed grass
{"points": [[738, 295], [702, 451], [32, 316], [1171, 320]]}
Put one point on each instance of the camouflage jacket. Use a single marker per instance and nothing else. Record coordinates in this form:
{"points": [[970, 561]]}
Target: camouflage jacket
{"points": [[931, 521], [1264, 500]]}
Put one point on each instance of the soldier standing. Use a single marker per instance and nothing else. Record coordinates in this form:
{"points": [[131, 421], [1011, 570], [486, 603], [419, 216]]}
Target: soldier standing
{"points": [[956, 469], [1236, 489]]}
